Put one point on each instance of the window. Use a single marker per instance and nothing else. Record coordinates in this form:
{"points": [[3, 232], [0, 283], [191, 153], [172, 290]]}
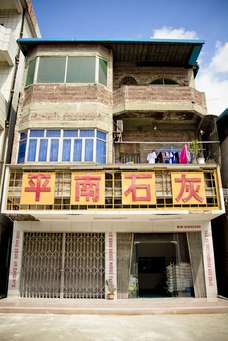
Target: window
{"points": [[128, 80], [31, 72], [62, 145], [164, 81], [67, 69], [102, 71], [81, 70], [51, 70]]}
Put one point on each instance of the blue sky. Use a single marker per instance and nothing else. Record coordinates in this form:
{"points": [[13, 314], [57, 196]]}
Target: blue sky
{"points": [[142, 19]]}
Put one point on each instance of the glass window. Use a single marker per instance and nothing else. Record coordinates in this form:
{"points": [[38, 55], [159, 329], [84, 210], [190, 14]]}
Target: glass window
{"points": [[31, 72], [81, 70], [101, 152], [51, 70], [89, 150], [66, 150], [102, 71], [36, 133], [53, 133], [32, 150], [21, 152], [54, 150], [101, 135], [44, 145], [77, 150], [43, 150], [87, 133], [70, 133]]}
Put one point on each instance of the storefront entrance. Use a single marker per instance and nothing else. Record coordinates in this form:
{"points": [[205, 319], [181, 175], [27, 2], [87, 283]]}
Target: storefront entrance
{"points": [[152, 261], [63, 265], [159, 265]]}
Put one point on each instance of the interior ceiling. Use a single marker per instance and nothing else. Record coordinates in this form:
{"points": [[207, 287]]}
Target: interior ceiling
{"points": [[169, 120]]}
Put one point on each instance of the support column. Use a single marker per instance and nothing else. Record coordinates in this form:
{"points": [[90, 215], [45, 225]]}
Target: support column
{"points": [[208, 260], [15, 262], [110, 261]]}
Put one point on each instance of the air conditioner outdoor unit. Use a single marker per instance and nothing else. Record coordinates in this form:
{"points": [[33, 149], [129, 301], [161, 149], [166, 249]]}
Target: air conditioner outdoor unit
{"points": [[119, 126]]}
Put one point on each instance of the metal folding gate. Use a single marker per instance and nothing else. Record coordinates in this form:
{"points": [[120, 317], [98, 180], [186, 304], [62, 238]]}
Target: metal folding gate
{"points": [[63, 265]]}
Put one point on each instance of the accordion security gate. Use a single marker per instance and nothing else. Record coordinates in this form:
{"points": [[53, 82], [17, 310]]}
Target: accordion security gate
{"points": [[63, 265]]}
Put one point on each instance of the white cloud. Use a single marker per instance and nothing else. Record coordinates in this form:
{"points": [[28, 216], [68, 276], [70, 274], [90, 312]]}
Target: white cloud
{"points": [[220, 60], [213, 80], [168, 32]]}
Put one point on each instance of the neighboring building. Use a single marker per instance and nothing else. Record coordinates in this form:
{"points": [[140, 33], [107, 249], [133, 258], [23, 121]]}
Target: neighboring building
{"points": [[220, 225], [95, 187], [17, 20]]}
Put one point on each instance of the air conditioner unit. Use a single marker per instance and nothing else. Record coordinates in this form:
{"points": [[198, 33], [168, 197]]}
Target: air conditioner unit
{"points": [[119, 126]]}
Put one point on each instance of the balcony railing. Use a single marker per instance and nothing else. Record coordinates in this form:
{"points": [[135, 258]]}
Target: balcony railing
{"points": [[169, 151], [114, 187], [159, 97], [8, 45]]}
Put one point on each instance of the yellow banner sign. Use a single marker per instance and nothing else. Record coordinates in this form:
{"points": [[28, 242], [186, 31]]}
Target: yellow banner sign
{"points": [[188, 188], [38, 189], [138, 188], [88, 188]]}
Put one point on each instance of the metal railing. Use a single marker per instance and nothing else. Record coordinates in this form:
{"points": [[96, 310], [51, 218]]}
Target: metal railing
{"points": [[113, 189]]}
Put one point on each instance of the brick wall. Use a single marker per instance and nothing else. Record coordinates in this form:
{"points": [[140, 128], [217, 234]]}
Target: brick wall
{"points": [[145, 75]]}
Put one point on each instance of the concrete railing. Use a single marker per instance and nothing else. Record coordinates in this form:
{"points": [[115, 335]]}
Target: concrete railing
{"points": [[8, 45], [159, 97]]}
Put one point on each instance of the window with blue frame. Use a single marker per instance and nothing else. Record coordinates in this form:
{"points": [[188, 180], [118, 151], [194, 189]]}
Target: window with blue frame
{"points": [[62, 145]]}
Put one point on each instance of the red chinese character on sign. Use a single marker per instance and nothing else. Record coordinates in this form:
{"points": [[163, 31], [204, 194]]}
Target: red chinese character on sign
{"points": [[134, 187], [38, 183], [87, 186], [190, 186]]}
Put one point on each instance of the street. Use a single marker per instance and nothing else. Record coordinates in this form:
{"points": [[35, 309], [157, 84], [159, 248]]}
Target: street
{"points": [[37, 327]]}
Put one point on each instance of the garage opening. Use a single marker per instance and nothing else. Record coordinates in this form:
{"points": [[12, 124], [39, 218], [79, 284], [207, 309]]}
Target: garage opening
{"points": [[63, 265]]}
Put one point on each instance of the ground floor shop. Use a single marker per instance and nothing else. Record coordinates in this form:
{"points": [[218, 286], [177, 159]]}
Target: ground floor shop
{"points": [[85, 260]]}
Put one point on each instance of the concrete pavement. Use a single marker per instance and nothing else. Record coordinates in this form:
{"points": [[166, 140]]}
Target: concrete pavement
{"points": [[26, 327]]}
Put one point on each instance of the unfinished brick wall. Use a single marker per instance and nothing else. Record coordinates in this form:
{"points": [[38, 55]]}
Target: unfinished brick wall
{"points": [[145, 75], [159, 135]]}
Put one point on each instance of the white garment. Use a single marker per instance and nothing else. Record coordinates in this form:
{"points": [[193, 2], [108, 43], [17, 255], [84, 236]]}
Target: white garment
{"points": [[151, 157]]}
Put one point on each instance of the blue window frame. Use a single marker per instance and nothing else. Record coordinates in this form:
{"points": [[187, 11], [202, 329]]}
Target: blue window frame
{"points": [[62, 145]]}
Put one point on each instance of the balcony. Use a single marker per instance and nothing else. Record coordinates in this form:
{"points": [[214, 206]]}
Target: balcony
{"points": [[11, 5], [8, 46], [162, 202], [158, 98]]}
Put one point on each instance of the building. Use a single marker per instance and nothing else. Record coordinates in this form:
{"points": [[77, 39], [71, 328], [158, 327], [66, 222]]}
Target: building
{"points": [[17, 19], [220, 224], [98, 196]]}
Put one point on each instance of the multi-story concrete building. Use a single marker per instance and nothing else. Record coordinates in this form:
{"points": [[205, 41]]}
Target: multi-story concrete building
{"points": [[101, 187], [17, 20]]}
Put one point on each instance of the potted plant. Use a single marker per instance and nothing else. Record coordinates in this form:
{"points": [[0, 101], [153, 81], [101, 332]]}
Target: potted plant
{"points": [[111, 290], [195, 150]]}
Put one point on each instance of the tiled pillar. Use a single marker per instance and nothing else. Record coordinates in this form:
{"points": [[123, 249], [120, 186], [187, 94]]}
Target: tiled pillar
{"points": [[15, 263], [110, 261], [209, 263]]}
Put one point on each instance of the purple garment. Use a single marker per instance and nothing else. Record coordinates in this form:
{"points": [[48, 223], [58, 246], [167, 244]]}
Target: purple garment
{"points": [[184, 154]]}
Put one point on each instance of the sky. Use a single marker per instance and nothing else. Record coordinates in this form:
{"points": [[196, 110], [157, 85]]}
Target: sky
{"points": [[145, 19]]}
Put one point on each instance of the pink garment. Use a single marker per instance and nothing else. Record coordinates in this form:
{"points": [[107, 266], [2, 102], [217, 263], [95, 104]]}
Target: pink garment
{"points": [[184, 154]]}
